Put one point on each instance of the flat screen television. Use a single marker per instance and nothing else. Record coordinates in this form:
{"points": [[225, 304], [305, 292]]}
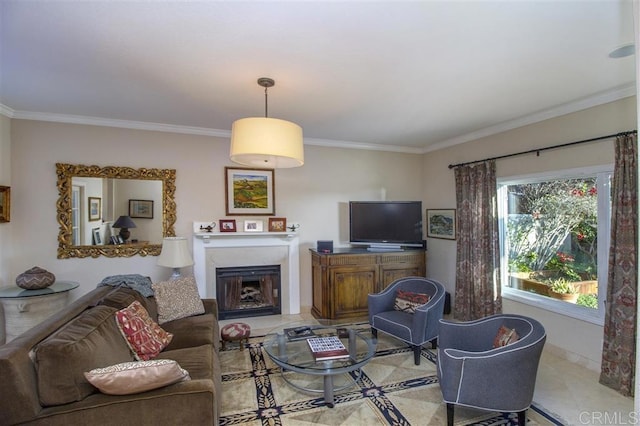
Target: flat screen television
{"points": [[385, 224]]}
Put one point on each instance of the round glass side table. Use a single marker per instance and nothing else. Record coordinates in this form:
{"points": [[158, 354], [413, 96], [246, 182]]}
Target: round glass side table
{"points": [[24, 309]]}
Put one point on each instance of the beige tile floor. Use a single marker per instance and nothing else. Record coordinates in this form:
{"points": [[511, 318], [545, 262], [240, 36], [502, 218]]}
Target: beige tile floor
{"points": [[567, 390]]}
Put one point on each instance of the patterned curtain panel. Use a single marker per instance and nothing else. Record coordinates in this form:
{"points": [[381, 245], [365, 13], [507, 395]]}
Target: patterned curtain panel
{"points": [[477, 292], [619, 348]]}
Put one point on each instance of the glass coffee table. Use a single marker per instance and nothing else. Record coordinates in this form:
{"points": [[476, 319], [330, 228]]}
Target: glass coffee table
{"points": [[292, 353]]}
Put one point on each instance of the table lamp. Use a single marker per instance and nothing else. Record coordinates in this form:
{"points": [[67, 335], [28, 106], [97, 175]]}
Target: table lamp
{"points": [[124, 223], [175, 254]]}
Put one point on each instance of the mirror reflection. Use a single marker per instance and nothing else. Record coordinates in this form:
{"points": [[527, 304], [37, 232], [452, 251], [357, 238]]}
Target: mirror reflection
{"points": [[114, 211], [97, 203]]}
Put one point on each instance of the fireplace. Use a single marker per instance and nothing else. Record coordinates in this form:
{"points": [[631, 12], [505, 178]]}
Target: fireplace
{"points": [[215, 250], [247, 291]]}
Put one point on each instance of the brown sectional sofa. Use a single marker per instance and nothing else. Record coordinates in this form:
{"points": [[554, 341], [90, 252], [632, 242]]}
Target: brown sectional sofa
{"points": [[41, 371]]}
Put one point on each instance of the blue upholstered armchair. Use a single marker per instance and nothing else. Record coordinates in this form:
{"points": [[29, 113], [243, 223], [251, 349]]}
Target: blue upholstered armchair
{"points": [[475, 374], [415, 328]]}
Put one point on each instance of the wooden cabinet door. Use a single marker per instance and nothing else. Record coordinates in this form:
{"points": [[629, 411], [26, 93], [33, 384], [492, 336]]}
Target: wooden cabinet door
{"points": [[319, 306], [350, 287]]}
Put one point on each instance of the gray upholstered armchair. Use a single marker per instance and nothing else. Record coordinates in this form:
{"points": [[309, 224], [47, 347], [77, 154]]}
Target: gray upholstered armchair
{"points": [[475, 374], [415, 328]]}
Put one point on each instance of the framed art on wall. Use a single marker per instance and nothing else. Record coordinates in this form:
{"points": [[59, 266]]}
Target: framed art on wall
{"points": [[249, 192], [5, 203], [441, 223], [95, 208], [227, 225], [277, 224], [142, 209]]}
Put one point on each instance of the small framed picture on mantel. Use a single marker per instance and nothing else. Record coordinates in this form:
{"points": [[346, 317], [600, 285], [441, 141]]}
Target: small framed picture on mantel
{"points": [[252, 226], [277, 224], [227, 225]]}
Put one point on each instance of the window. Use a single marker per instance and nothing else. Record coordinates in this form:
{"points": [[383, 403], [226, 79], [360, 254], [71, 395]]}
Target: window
{"points": [[76, 214], [555, 240]]}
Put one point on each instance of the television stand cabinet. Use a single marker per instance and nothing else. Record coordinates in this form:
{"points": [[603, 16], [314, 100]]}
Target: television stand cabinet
{"points": [[342, 279]]}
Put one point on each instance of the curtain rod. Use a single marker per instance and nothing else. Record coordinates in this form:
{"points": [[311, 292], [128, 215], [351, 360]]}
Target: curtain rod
{"points": [[547, 148]]}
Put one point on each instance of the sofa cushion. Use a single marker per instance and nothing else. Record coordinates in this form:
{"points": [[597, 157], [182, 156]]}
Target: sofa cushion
{"points": [[192, 331], [89, 341], [121, 297], [145, 338], [137, 376], [177, 299], [199, 361]]}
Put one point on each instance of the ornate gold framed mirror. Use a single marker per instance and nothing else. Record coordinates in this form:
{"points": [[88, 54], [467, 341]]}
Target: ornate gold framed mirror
{"points": [[91, 198]]}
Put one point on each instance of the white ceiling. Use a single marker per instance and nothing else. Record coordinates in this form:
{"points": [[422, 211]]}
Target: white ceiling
{"points": [[409, 76]]}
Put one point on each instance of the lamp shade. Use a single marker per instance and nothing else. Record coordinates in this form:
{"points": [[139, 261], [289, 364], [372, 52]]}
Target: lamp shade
{"points": [[124, 222], [267, 142], [175, 253]]}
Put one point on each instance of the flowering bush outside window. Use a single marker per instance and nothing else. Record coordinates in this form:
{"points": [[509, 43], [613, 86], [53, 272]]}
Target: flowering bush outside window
{"points": [[552, 231]]}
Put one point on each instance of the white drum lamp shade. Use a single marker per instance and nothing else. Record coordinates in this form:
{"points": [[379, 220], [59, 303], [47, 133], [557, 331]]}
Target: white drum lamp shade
{"points": [[175, 254], [267, 142]]}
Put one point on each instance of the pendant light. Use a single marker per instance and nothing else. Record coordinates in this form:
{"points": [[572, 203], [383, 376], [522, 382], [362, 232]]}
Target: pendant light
{"points": [[266, 142]]}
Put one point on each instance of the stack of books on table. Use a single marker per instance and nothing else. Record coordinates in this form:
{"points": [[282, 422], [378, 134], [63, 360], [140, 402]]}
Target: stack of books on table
{"points": [[327, 348]]}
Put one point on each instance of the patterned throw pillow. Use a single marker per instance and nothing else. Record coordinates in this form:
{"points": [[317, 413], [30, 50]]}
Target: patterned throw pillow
{"points": [[407, 301], [505, 336], [145, 338], [138, 376], [177, 299]]}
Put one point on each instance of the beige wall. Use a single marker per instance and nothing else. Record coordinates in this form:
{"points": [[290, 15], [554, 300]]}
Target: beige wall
{"points": [[314, 195], [439, 192]]}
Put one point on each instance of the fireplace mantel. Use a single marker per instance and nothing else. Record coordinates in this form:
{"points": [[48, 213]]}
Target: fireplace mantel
{"points": [[206, 245]]}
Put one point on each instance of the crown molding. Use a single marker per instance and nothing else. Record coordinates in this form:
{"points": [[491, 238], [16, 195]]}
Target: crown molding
{"points": [[361, 145], [601, 98], [6, 111], [581, 104], [125, 124]]}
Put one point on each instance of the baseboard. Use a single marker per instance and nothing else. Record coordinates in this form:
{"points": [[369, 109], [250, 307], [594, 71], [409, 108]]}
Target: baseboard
{"points": [[305, 309], [572, 357]]}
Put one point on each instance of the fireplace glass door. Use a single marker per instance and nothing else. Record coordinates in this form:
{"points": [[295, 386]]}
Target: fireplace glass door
{"points": [[248, 291]]}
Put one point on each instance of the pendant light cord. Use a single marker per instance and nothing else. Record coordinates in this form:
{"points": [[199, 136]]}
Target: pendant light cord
{"points": [[266, 104]]}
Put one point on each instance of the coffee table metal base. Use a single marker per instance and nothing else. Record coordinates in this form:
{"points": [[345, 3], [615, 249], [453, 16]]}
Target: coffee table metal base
{"points": [[328, 390], [295, 356]]}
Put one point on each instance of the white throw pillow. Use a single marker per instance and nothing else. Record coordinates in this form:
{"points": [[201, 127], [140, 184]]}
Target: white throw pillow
{"points": [[136, 376]]}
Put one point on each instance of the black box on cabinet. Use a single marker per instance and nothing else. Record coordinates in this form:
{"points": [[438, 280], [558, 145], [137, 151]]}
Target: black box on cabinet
{"points": [[325, 246]]}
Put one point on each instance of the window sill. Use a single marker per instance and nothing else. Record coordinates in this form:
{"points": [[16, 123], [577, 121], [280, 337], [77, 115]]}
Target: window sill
{"points": [[594, 316]]}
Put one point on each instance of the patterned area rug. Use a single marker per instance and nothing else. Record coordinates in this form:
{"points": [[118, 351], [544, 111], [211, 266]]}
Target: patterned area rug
{"points": [[391, 390]]}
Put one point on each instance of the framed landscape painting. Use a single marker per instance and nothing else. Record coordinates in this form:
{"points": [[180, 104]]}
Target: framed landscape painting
{"points": [[249, 192], [441, 224]]}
